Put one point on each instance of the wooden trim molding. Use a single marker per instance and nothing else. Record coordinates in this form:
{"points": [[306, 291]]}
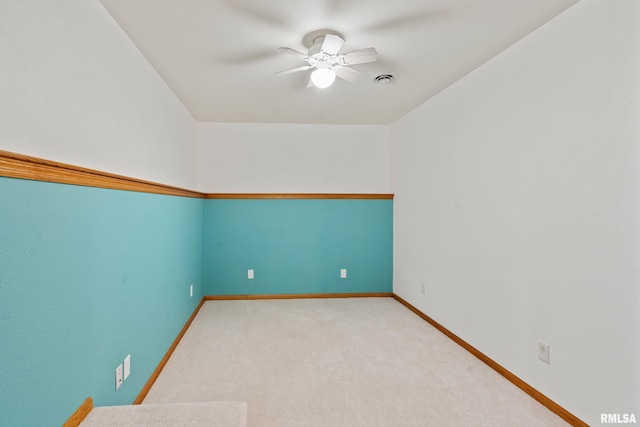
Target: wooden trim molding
{"points": [[544, 400], [299, 296], [80, 414], [298, 196], [14, 165], [154, 376]]}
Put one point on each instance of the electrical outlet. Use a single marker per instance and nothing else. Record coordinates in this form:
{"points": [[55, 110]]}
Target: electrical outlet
{"points": [[422, 288], [119, 376], [543, 352], [127, 366], [250, 274], [190, 291], [343, 273]]}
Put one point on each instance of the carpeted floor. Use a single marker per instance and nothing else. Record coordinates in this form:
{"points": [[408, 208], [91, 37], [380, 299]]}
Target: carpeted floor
{"points": [[338, 362], [206, 414]]}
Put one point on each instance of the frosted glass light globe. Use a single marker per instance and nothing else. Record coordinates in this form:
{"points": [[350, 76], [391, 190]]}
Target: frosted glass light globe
{"points": [[323, 77]]}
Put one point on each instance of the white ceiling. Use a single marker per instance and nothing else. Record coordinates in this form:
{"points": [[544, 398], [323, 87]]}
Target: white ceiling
{"points": [[220, 56]]}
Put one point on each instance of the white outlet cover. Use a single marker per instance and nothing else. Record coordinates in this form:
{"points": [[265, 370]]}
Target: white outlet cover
{"points": [[343, 273], [190, 291], [127, 366], [250, 274], [119, 376], [543, 352]]}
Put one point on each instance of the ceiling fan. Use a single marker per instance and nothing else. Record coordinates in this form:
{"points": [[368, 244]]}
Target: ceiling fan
{"points": [[324, 56]]}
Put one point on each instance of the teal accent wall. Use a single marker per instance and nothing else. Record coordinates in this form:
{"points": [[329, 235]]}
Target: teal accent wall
{"points": [[87, 276], [298, 246]]}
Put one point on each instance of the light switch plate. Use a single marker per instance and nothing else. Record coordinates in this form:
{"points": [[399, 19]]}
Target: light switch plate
{"points": [[127, 366], [343, 273], [119, 376], [250, 274]]}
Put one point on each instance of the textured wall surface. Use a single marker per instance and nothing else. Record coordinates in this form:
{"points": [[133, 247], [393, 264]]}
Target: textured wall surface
{"points": [[518, 206], [75, 89], [298, 246], [292, 158], [88, 276]]}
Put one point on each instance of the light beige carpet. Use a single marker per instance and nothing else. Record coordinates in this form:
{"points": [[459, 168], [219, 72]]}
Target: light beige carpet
{"points": [[205, 414], [338, 362]]}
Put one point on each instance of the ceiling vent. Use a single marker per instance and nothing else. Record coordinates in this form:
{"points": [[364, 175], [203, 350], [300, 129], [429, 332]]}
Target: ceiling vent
{"points": [[385, 79]]}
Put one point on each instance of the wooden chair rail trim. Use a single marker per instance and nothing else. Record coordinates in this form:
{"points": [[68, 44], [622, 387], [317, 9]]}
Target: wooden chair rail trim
{"points": [[80, 414], [544, 400], [14, 165], [298, 196], [156, 373], [299, 296]]}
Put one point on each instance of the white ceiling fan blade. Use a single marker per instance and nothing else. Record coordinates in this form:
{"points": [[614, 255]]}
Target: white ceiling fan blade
{"points": [[346, 73], [293, 52], [293, 70], [359, 56], [332, 44]]}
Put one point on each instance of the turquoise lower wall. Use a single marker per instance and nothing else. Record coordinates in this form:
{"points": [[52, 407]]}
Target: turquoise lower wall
{"points": [[88, 276], [298, 246]]}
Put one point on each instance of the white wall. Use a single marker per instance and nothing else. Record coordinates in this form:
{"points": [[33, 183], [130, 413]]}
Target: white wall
{"points": [[517, 204], [74, 88], [292, 158]]}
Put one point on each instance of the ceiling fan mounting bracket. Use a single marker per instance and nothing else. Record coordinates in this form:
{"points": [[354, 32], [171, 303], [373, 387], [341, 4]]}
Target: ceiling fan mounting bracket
{"points": [[310, 38]]}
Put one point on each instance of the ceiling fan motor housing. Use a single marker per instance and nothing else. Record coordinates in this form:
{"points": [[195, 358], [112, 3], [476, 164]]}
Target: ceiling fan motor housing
{"points": [[318, 57], [316, 48]]}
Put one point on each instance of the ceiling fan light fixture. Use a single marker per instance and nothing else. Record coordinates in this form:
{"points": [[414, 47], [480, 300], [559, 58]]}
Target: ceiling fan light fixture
{"points": [[324, 55], [323, 77]]}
